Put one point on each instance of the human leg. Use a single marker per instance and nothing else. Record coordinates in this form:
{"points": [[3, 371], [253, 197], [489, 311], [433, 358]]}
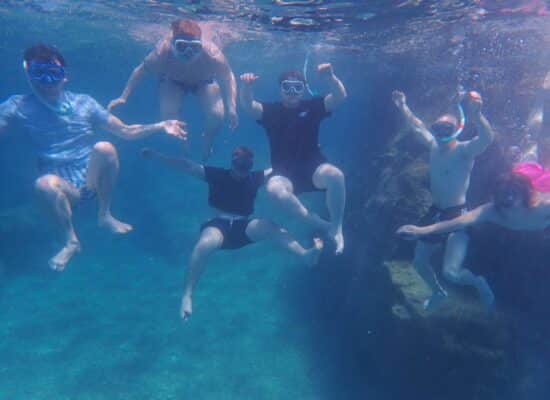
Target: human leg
{"points": [[101, 176], [212, 105], [56, 195], [453, 271], [281, 192], [422, 263], [170, 99], [332, 179], [211, 239], [261, 229]]}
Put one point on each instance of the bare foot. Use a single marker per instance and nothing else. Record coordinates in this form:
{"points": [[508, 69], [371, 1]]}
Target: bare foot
{"points": [[338, 237], [113, 224], [312, 255], [61, 259], [186, 307]]}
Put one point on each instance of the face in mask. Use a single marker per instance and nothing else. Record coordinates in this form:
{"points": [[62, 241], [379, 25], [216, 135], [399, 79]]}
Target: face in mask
{"points": [[186, 49]]}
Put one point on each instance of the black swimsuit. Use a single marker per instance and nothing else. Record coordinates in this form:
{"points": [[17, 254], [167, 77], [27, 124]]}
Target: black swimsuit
{"points": [[293, 135], [235, 196]]}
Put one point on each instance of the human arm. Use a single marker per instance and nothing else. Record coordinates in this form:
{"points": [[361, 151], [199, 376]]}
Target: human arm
{"points": [[480, 214], [485, 133], [115, 126], [337, 89], [8, 112], [412, 121], [228, 84], [135, 78], [251, 106], [180, 164], [536, 116]]}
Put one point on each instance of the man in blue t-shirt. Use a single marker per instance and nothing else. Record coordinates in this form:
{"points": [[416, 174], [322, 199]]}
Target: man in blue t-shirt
{"points": [[292, 127], [231, 196], [61, 126]]}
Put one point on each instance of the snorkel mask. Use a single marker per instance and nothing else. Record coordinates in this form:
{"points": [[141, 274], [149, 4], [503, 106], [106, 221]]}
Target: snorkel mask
{"points": [[445, 131], [186, 49], [49, 75], [293, 87], [45, 73]]}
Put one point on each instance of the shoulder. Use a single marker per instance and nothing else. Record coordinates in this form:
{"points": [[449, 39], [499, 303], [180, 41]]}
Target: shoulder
{"points": [[317, 104], [213, 52], [15, 104], [214, 173], [16, 100]]}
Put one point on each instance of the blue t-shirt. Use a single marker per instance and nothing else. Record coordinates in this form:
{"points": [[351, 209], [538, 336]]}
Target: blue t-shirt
{"points": [[60, 140]]}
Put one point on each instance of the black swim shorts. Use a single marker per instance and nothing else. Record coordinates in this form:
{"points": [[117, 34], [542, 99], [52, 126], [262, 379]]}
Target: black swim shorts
{"points": [[435, 215], [233, 231]]}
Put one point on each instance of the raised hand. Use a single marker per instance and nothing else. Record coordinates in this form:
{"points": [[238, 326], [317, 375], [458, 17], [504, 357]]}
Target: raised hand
{"points": [[474, 103], [398, 98], [325, 70], [249, 78]]}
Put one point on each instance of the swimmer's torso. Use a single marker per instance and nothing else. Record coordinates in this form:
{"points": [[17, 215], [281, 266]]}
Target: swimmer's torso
{"points": [[163, 62], [449, 175]]}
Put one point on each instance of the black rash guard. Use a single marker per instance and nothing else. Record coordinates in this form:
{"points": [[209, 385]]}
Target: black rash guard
{"points": [[232, 195], [293, 135]]}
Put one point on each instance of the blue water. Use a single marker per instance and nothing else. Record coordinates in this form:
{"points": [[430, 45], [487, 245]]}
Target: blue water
{"points": [[264, 326]]}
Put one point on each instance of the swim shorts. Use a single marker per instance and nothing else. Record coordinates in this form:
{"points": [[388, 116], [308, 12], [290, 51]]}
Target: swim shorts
{"points": [[301, 175], [435, 215], [189, 88], [233, 231], [74, 173]]}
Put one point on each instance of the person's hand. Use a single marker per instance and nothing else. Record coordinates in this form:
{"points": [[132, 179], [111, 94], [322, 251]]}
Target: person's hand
{"points": [[115, 103], [249, 78], [325, 70], [474, 103], [409, 232], [147, 153], [175, 128], [233, 119], [398, 98]]}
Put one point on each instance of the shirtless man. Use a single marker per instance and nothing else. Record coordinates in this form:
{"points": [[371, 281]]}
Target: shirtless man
{"points": [[451, 163], [231, 196], [515, 206], [186, 63], [61, 126], [292, 126]]}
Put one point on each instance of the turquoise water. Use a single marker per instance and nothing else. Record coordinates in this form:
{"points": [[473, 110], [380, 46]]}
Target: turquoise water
{"points": [[264, 326]]}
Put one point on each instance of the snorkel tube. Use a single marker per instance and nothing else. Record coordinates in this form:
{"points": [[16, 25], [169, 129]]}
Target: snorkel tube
{"points": [[461, 125], [304, 72]]}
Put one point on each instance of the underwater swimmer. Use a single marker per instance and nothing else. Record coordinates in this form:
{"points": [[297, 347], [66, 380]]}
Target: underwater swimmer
{"points": [[451, 163], [73, 164], [231, 196], [515, 206], [292, 126], [186, 63]]}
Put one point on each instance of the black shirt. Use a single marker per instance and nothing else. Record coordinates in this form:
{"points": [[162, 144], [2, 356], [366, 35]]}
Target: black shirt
{"points": [[232, 195], [294, 133]]}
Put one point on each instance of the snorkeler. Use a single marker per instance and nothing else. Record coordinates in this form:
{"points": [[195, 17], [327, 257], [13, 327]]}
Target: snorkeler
{"points": [[186, 63], [292, 126], [61, 125], [515, 206], [231, 195], [451, 163]]}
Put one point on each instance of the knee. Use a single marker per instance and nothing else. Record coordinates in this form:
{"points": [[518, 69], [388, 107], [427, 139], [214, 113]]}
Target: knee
{"points": [[106, 149], [277, 191], [329, 175], [47, 184]]}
